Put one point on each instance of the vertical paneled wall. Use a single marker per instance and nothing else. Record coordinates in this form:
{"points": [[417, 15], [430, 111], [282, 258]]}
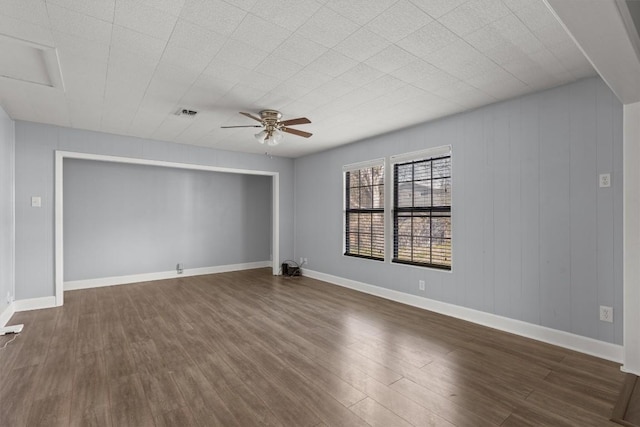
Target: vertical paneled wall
{"points": [[534, 237], [124, 219]]}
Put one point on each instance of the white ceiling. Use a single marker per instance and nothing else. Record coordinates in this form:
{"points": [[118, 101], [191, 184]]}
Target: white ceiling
{"points": [[355, 68], [606, 32]]}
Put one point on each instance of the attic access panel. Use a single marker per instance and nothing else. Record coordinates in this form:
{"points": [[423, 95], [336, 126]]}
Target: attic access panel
{"points": [[29, 62]]}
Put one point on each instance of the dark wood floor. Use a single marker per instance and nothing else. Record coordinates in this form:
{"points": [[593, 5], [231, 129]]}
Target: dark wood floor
{"points": [[626, 412], [632, 414], [247, 348]]}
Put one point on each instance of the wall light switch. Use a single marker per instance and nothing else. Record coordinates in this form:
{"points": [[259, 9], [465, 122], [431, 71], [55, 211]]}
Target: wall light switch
{"points": [[605, 180], [36, 201]]}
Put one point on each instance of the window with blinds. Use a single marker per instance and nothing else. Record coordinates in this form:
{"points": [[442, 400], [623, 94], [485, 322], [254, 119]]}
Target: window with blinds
{"points": [[364, 212], [422, 212]]}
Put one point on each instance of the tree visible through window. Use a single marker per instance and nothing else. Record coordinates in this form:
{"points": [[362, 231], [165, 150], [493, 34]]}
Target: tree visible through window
{"points": [[364, 212], [422, 212]]}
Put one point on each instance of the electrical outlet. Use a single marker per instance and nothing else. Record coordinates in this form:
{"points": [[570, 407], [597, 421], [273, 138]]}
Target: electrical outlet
{"points": [[306, 261], [179, 268], [606, 314], [9, 299], [605, 180], [421, 284]]}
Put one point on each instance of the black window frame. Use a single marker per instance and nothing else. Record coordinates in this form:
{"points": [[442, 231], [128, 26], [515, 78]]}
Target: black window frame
{"points": [[349, 211], [413, 211]]}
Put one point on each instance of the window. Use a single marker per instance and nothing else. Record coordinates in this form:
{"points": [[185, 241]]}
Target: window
{"points": [[364, 210], [422, 210]]}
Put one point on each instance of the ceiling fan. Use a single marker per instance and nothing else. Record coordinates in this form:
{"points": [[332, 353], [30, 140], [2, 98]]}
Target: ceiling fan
{"points": [[273, 130]]}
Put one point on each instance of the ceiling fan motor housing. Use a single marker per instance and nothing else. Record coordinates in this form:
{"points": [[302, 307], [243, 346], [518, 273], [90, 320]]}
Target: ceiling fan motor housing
{"points": [[270, 117]]}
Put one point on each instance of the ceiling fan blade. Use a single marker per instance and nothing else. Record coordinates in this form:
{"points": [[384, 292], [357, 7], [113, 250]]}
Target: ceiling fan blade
{"points": [[251, 116], [297, 132], [298, 121], [244, 126]]}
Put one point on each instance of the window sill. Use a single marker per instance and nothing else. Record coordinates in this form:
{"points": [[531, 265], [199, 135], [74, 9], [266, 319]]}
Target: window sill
{"points": [[420, 265], [363, 257]]}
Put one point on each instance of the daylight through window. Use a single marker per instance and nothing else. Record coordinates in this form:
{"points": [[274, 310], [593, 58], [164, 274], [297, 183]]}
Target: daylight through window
{"points": [[422, 212], [364, 212]]}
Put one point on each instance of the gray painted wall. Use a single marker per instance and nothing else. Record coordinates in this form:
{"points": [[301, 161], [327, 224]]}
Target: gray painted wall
{"points": [[7, 150], [123, 219], [534, 238], [34, 176]]}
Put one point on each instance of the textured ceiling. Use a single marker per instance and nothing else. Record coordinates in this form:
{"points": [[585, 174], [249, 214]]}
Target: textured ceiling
{"points": [[356, 68]]}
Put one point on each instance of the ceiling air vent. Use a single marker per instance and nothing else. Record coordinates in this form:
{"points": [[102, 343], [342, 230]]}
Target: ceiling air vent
{"points": [[186, 112]]}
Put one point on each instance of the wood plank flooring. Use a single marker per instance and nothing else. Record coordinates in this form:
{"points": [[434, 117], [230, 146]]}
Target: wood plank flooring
{"points": [[626, 411], [247, 348]]}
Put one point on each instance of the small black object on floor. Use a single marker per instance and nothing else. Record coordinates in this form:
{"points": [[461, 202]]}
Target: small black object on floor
{"points": [[291, 269]]}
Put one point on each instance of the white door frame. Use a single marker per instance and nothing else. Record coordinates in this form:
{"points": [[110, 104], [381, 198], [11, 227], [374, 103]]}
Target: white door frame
{"points": [[59, 211], [631, 239]]}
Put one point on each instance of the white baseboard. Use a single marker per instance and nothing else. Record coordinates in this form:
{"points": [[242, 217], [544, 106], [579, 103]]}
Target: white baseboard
{"points": [[135, 278], [25, 305], [567, 340], [34, 303], [6, 314]]}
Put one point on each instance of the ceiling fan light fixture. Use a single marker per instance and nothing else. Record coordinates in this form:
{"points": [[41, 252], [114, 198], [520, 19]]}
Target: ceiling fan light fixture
{"points": [[276, 137], [261, 136]]}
